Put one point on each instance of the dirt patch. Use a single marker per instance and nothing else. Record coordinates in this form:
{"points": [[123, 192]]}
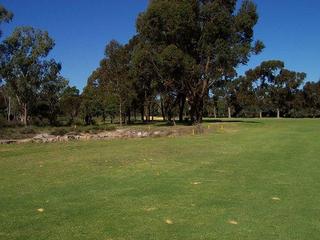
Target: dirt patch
{"points": [[233, 222], [40, 210], [151, 209], [169, 221], [196, 183]]}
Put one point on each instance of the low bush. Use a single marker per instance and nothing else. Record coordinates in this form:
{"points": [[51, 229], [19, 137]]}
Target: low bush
{"points": [[59, 131], [28, 130], [99, 128]]}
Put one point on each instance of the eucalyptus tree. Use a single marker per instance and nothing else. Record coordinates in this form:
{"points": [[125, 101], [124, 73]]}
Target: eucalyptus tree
{"points": [[161, 74], [311, 93], [243, 97], [90, 101], [144, 71], [262, 76], [175, 68], [70, 103], [275, 85], [113, 80], [106, 103], [5, 16], [213, 34], [3, 104], [284, 88], [25, 53], [50, 92]]}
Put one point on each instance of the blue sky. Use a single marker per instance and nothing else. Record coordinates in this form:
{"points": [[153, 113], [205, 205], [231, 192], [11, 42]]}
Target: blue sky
{"points": [[81, 28]]}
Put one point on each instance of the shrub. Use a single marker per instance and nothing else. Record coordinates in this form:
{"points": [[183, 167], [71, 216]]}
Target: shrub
{"points": [[99, 128], [3, 121], [28, 130], [59, 132], [40, 122]]}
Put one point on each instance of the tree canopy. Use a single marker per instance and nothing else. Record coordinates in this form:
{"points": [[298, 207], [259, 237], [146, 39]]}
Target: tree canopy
{"points": [[181, 64], [24, 67]]}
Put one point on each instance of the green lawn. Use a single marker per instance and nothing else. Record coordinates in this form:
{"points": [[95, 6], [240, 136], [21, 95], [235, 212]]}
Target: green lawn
{"points": [[251, 180]]}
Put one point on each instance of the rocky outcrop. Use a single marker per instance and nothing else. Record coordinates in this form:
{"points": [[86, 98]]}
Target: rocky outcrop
{"points": [[121, 133]]}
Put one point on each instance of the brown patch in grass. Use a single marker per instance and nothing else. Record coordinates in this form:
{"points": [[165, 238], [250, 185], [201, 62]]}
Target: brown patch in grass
{"points": [[196, 183], [150, 209], [169, 221], [233, 222]]}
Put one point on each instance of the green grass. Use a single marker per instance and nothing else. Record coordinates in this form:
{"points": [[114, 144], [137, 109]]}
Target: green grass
{"points": [[128, 189]]}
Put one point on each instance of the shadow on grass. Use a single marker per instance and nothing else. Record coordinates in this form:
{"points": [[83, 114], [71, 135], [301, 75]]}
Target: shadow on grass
{"points": [[230, 121], [159, 123]]}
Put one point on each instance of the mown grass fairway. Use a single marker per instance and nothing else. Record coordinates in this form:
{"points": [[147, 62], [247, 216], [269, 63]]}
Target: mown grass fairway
{"points": [[250, 181]]}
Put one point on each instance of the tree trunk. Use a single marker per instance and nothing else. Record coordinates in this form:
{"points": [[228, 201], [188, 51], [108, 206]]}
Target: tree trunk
{"points": [[25, 114], [229, 112], [9, 109], [169, 115], [129, 116], [125, 118], [198, 95], [278, 113], [182, 102], [162, 109], [120, 113], [196, 109], [104, 117], [149, 112], [71, 120], [215, 112], [152, 113], [260, 114], [142, 113]]}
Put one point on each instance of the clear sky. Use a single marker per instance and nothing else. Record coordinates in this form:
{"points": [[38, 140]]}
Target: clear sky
{"points": [[290, 30]]}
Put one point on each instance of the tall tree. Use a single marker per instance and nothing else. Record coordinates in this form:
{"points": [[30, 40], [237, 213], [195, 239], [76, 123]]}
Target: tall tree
{"points": [[262, 77], [90, 102], [115, 72], [70, 103], [22, 64], [50, 92], [311, 92], [283, 89], [241, 97], [5, 17], [214, 34], [144, 73], [275, 86]]}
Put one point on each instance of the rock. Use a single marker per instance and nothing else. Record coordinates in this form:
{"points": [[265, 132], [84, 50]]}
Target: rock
{"points": [[3, 142], [120, 133], [145, 134], [157, 133], [27, 140]]}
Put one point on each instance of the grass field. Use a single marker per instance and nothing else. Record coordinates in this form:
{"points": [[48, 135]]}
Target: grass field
{"points": [[250, 180]]}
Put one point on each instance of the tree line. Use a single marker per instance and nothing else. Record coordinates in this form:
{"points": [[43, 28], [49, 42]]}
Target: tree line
{"points": [[181, 64]]}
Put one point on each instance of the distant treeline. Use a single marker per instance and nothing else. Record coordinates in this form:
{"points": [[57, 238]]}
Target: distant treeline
{"points": [[181, 65]]}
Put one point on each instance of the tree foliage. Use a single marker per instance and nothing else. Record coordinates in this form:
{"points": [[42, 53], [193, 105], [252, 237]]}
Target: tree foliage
{"points": [[211, 37], [24, 67], [5, 16]]}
